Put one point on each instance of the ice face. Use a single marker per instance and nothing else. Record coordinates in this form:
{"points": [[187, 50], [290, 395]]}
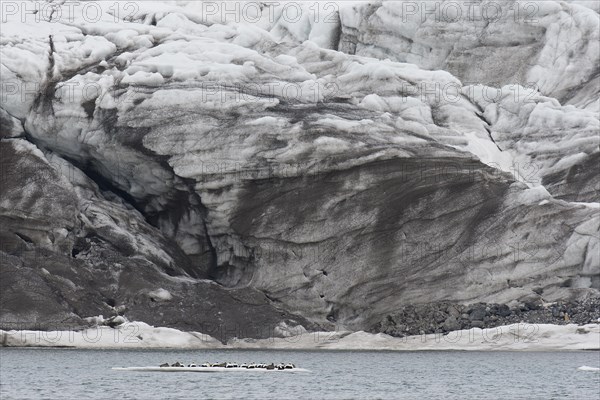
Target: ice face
{"points": [[342, 167]]}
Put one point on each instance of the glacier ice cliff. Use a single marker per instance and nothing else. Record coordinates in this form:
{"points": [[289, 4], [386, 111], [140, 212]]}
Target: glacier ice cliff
{"points": [[315, 174]]}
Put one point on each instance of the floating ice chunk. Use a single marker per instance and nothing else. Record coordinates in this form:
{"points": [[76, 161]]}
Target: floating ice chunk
{"points": [[589, 369]]}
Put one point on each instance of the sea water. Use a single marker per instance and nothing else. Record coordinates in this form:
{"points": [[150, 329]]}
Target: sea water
{"points": [[27, 373]]}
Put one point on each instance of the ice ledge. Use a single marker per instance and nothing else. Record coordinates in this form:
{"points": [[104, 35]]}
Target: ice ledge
{"points": [[526, 337]]}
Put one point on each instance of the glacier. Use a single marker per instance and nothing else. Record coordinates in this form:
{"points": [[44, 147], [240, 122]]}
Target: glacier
{"points": [[198, 171]]}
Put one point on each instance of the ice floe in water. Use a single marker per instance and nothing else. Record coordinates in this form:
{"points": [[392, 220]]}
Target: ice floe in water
{"points": [[589, 369]]}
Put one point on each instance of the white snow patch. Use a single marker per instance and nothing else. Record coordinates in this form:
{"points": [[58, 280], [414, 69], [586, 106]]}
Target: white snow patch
{"points": [[98, 320], [331, 144], [160, 294], [144, 78], [525, 337]]}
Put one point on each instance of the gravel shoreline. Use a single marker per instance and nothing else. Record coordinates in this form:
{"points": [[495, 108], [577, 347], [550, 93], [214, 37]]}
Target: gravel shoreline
{"points": [[446, 317]]}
